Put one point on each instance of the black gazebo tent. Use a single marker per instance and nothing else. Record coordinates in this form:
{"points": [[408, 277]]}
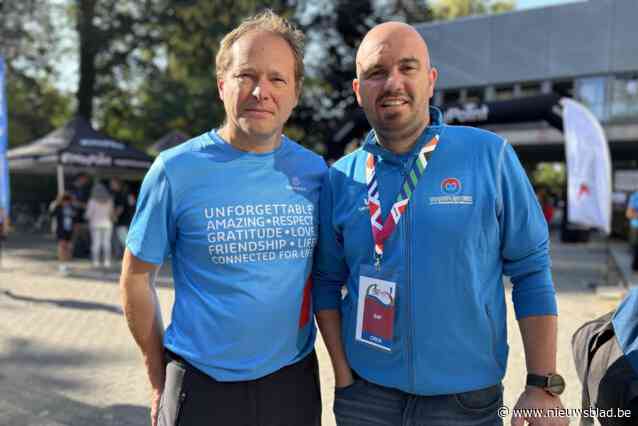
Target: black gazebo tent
{"points": [[78, 147]]}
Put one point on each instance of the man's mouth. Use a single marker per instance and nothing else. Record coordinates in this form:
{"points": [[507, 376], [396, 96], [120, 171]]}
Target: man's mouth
{"points": [[393, 102], [258, 112]]}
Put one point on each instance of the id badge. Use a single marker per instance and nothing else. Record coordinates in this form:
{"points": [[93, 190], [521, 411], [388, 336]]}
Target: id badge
{"points": [[376, 308]]}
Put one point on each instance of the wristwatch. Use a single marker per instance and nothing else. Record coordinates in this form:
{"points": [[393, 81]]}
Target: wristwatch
{"points": [[553, 384]]}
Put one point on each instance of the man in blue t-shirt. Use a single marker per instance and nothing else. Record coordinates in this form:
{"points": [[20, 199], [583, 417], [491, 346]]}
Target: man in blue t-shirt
{"points": [[236, 210], [632, 215]]}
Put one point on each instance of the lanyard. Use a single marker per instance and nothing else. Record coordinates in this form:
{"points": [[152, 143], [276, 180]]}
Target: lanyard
{"points": [[381, 231]]}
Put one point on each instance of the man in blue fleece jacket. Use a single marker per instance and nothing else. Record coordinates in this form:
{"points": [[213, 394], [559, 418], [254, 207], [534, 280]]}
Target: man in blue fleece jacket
{"points": [[417, 228]]}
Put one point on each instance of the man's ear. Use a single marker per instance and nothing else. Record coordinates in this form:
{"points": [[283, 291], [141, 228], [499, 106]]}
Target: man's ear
{"points": [[220, 88], [432, 76], [355, 88]]}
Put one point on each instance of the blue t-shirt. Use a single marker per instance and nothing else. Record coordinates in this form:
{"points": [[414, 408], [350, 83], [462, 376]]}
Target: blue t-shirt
{"points": [[240, 228], [633, 203], [625, 322]]}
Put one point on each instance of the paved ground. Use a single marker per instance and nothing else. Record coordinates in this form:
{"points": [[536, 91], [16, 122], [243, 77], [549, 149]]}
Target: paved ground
{"points": [[66, 357]]}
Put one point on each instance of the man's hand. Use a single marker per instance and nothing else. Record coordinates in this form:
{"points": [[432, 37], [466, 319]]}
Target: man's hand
{"points": [[144, 317], [343, 377], [537, 399], [329, 322], [156, 395]]}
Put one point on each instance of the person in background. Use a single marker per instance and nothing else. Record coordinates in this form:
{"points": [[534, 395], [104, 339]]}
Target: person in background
{"points": [[632, 215], [122, 213], [545, 201], [4, 224], [62, 211], [80, 193], [99, 213]]}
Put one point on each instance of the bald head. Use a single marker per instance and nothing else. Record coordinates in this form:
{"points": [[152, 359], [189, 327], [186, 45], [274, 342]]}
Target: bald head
{"points": [[386, 37], [394, 83]]}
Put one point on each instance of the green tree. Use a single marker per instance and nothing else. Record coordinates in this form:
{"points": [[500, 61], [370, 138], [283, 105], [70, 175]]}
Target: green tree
{"points": [[35, 108], [551, 176], [452, 9], [178, 89], [29, 46]]}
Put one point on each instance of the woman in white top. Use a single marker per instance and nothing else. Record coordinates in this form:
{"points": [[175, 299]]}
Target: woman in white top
{"points": [[99, 213]]}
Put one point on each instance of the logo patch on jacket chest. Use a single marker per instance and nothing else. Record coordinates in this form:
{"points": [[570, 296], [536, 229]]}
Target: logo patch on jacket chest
{"points": [[451, 187]]}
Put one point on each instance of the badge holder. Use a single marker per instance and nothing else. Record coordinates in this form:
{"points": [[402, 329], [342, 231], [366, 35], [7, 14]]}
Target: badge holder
{"points": [[376, 307]]}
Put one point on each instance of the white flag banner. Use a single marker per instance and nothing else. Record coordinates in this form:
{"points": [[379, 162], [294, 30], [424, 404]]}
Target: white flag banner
{"points": [[588, 167]]}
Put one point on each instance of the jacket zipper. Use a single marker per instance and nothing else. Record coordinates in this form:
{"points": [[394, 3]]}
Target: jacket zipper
{"points": [[409, 295]]}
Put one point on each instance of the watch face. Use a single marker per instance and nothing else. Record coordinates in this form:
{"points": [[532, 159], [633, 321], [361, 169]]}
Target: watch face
{"points": [[555, 384]]}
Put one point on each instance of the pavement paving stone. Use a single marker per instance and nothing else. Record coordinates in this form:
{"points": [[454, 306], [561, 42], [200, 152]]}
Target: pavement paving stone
{"points": [[67, 358]]}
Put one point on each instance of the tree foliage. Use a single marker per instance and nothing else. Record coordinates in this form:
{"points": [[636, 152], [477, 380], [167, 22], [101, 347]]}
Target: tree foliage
{"points": [[146, 67], [178, 90], [452, 9], [30, 46], [35, 108]]}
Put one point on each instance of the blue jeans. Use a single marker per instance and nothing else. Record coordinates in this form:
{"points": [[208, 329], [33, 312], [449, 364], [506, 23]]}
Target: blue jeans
{"points": [[366, 404]]}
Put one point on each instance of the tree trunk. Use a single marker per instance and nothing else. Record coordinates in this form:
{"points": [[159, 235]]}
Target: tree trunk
{"points": [[88, 41]]}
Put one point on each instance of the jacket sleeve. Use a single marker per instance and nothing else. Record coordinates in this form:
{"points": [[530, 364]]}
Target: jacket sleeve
{"points": [[524, 240], [330, 271]]}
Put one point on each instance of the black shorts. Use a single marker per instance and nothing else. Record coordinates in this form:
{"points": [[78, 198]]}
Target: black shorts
{"points": [[290, 396]]}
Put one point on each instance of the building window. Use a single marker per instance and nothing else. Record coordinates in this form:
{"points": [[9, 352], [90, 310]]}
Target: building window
{"points": [[623, 96], [591, 91], [504, 93], [530, 89], [474, 95]]}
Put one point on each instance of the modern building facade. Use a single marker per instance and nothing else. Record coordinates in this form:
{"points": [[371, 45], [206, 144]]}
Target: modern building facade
{"points": [[587, 50]]}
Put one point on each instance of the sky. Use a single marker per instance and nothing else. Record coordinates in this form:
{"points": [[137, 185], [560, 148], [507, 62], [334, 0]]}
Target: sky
{"points": [[528, 4]]}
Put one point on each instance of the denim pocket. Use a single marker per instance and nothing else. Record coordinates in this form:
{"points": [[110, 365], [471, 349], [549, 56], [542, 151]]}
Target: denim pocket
{"points": [[480, 400], [343, 392]]}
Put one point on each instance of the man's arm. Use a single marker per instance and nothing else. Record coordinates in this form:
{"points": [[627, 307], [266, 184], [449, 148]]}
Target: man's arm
{"points": [[144, 318], [539, 334], [631, 213], [539, 340], [329, 322], [329, 273]]}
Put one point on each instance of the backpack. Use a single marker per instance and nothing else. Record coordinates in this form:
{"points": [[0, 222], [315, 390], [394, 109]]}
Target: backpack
{"points": [[609, 379]]}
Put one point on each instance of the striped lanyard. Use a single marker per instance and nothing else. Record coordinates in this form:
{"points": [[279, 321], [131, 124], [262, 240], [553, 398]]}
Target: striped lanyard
{"points": [[381, 231]]}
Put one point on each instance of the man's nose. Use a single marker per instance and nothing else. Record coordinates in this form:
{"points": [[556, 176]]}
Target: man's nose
{"points": [[260, 91], [257, 92], [394, 82]]}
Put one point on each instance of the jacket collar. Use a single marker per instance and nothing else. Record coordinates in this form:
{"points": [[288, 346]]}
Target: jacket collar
{"points": [[372, 146]]}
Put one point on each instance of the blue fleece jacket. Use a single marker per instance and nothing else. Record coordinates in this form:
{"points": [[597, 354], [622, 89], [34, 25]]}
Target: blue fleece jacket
{"points": [[449, 251]]}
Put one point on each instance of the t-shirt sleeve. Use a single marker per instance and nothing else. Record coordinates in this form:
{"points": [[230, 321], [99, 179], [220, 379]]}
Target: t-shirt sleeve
{"points": [[152, 231], [330, 271], [524, 241]]}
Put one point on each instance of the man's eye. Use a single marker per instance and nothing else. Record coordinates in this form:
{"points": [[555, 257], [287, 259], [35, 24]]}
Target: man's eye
{"points": [[375, 74], [279, 81]]}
